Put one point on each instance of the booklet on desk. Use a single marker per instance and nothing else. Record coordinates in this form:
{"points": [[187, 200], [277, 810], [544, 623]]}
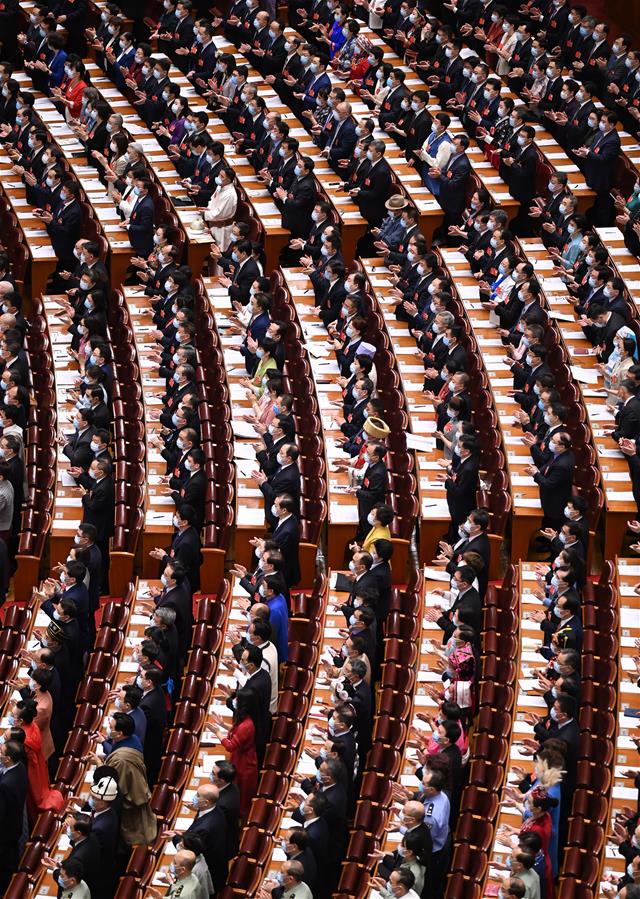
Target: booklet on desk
{"points": [[342, 584]]}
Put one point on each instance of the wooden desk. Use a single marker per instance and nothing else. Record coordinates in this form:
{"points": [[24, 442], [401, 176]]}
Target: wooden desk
{"points": [[159, 507], [67, 509], [434, 511], [343, 506], [624, 793], [228, 677], [32, 231], [619, 504]]}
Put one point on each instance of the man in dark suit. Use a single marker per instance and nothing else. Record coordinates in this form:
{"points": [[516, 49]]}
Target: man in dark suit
{"points": [[330, 786], [297, 848], [339, 143], [64, 225], [555, 480], [298, 201], [286, 479], [374, 191], [467, 600], [628, 414], [154, 706], [381, 553], [14, 472], [177, 594], [375, 484], [419, 126], [475, 540], [223, 776], [99, 503], [279, 434], [13, 796], [461, 484], [391, 108], [320, 220], [211, 828], [313, 820], [140, 222], [99, 409], [520, 173], [185, 546], [599, 166], [412, 820], [78, 448], [72, 587], [85, 849], [525, 375], [453, 182], [105, 825], [245, 272], [561, 725], [287, 536], [193, 492]]}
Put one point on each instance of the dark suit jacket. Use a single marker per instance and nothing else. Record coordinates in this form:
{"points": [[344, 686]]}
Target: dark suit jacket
{"points": [[461, 487], [78, 450], [374, 488], [13, 795], [628, 420], [154, 706], [287, 536], [374, 192], [141, 226], [480, 545], [298, 206], [470, 602], [212, 830], [599, 168], [180, 599], [453, 183], [556, 481], [229, 803], [570, 734], [99, 507], [521, 174], [243, 278], [185, 547], [285, 480], [193, 494], [106, 827], [65, 229]]}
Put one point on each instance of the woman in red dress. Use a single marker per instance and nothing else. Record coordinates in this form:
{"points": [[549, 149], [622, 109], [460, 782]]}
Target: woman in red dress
{"points": [[539, 822], [72, 88], [40, 796], [240, 743]]}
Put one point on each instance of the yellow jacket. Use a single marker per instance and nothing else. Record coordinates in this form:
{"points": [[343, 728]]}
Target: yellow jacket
{"points": [[377, 532]]}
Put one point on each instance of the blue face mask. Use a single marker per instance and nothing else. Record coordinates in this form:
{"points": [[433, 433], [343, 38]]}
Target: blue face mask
{"points": [[234, 256]]}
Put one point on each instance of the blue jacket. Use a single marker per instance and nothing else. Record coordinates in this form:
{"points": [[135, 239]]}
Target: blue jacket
{"points": [[279, 621], [311, 93], [56, 65]]}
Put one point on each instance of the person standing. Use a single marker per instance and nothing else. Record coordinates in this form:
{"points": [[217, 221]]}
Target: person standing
{"points": [[240, 742]]}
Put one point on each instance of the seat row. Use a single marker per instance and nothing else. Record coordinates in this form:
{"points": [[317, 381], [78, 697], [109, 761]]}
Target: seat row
{"points": [[296, 705], [183, 740], [92, 699], [39, 459], [397, 697]]}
